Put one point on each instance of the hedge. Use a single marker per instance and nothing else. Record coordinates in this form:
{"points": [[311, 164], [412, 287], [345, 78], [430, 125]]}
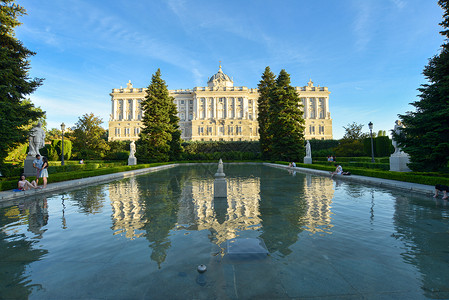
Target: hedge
{"points": [[428, 178], [383, 160], [58, 177], [198, 147]]}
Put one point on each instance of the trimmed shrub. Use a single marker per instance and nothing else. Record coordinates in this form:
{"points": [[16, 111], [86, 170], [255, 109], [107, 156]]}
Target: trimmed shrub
{"points": [[317, 145], [383, 146], [348, 148]]}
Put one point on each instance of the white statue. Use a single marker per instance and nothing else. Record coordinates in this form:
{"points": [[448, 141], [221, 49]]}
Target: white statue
{"points": [[308, 150], [397, 130], [220, 166], [132, 149], [37, 139]]}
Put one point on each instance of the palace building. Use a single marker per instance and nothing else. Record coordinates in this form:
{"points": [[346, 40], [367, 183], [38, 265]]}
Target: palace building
{"points": [[218, 112]]}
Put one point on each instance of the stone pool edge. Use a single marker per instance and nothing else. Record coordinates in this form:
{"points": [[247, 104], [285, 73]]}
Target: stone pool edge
{"points": [[379, 182], [76, 183]]}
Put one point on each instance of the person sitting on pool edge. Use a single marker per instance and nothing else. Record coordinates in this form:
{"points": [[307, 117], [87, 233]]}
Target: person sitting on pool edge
{"points": [[25, 185], [443, 188], [338, 170]]}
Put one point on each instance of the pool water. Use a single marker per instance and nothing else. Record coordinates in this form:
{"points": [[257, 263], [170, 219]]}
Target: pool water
{"points": [[144, 237]]}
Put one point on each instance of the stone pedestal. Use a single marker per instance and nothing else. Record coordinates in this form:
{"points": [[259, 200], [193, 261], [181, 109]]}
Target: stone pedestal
{"points": [[308, 160], [28, 168], [398, 162], [132, 161], [220, 188], [220, 184]]}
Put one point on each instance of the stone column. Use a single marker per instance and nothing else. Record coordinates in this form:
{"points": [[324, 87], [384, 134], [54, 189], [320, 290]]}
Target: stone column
{"points": [[114, 109], [306, 108], [245, 107], [124, 108], [254, 110], [134, 109]]}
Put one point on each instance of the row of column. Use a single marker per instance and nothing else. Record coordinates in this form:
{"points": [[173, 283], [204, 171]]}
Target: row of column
{"points": [[133, 109], [226, 103], [315, 107]]}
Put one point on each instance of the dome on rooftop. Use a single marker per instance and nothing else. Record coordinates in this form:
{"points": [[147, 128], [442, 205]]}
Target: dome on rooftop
{"points": [[220, 79]]}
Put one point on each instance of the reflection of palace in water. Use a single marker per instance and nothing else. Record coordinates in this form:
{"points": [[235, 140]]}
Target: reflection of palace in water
{"points": [[128, 213], [318, 193], [198, 210], [224, 217]]}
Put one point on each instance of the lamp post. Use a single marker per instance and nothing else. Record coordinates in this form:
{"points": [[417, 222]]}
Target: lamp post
{"points": [[370, 124], [62, 146]]}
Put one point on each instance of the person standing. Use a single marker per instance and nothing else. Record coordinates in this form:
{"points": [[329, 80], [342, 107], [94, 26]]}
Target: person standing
{"points": [[44, 171], [37, 164]]}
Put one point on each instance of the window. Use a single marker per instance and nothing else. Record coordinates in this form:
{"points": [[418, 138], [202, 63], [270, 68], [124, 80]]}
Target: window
{"points": [[311, 129], [230, 130], [190, 101], [182, 101], [190, 117]]}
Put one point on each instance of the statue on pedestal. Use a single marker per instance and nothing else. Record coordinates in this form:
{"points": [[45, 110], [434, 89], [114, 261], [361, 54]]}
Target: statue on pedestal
{"points": [[132, 160], [308, 157], [37, 140], [132, 149], [308, 150], [399, 160], [397, 130]]}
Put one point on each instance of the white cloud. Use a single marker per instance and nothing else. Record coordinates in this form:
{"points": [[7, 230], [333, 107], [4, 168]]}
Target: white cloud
{"points": [[399, 3], [361, 24]]}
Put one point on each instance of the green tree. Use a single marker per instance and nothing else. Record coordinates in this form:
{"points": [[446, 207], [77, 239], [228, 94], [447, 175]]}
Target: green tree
{"points": [[426, 134], [53, 134], [158, 122], [266, 87], [89, 138], [15, 112], [175, 143], [286, 122], [382, 133], [354, 132]]}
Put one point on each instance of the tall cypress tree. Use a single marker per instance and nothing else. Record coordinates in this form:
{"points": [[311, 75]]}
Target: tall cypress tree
{"points": [[426, 134], [156, 134], [15, 112], [286, 121], [266, 87], [175, 143]]}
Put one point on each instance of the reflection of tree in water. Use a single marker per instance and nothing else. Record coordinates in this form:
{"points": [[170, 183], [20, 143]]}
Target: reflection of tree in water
{"points": [[424, 230], [354, 190], [90, 200], [16, 250], [281, 219], [160, 196]]}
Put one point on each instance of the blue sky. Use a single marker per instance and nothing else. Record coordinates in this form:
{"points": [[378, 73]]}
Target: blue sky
{"points": [[370, 53]]}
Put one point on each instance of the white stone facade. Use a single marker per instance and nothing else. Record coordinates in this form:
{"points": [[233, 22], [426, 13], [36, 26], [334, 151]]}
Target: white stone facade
{"points": [[219, 111]]}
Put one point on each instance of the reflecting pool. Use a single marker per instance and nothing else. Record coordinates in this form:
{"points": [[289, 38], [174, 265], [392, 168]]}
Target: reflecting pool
{"points": [[144, 237]]}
